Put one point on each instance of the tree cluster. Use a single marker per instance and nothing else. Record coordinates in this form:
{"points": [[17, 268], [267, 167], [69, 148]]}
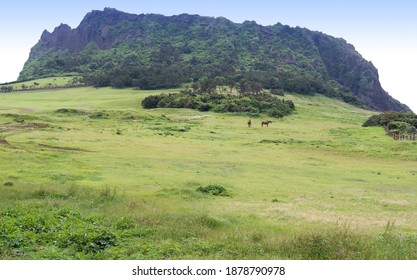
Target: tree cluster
{"points": [[6, 89], [213, 95], [397, 125]]}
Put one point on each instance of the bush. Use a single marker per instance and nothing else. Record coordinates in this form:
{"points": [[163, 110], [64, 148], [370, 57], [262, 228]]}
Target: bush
{"points": [[396, 123], [275, 113], [372, 121], [152, 101], [277, 91], [253, 104], [204, 107], [215, 190]]}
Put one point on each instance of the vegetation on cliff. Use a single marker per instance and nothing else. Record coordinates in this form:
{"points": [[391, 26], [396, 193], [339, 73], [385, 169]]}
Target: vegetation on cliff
{"points": [[112, 48]]}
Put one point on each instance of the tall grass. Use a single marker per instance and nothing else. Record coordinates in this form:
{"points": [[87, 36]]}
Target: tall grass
{"points": [[60, 222]]}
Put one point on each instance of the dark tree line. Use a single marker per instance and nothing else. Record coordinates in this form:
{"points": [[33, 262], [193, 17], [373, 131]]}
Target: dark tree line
{"points": [[217, 95]]}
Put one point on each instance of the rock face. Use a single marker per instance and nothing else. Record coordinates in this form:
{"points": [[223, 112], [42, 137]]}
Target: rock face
{"points": [[198, 44], [347, 67], [97, 27]]}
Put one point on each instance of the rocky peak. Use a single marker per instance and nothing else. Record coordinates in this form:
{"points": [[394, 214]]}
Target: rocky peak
{"points": [[297, 55], [97, 27]]}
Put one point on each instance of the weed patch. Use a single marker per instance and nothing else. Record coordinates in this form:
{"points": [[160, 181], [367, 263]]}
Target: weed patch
{"points": [[176, 192], [210, 222], [346, 244], [108, 193], [34, 229], [99, 115], [19, 116], [215, 190], [71, 112], [62, 178], [165, 128], [42, 193]]}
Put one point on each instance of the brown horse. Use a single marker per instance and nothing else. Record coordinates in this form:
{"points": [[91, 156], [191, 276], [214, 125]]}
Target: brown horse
{"points": [[265, 123], [249, 123]]}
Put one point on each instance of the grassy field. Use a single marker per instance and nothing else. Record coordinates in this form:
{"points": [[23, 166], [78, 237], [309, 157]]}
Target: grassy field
{"points": [[42, 83], [88, 174]]}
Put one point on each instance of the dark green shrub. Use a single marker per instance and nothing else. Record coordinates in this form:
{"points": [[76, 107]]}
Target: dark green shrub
{"points": [[215, 190], [204, 107], [152, 101], [222, 103], [277, 91], [275, 113], [372, 121]]}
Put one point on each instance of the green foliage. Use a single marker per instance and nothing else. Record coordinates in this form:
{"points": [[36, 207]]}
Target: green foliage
{"points": [[151, 101], [394, 122], [6, 88], [215, 190], [70, 111], [217, 102], [373, 120], [30, 228], [345, 244], [44, 83], [155, 52]]}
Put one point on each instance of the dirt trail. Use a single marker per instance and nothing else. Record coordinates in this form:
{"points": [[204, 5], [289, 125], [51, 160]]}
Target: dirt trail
{"points": [[3, 142], [64, 148]]}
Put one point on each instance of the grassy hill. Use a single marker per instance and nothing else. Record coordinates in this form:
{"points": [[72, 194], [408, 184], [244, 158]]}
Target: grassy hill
{"points": [[313, 185], [51, 82]]}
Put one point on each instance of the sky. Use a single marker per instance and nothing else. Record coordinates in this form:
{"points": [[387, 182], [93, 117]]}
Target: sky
{"points": [[384, 32]]}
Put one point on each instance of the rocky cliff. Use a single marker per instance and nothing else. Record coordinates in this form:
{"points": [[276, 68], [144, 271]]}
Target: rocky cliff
{"points": [[151, 50]]}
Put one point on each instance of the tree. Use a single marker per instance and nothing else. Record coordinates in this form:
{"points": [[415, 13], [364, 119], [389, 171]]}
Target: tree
{"points": [[219, 82], [243, 87], [255, 87], [207, 85], [6, 89], [231, 84]]}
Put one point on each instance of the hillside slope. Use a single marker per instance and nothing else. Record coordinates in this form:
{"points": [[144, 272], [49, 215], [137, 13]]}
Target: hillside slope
{"points": [[153, 51], [82, 164]]}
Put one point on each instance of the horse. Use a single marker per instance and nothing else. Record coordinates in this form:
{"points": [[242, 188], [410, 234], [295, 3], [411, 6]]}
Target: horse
{"points": [[249, 122], [265, 123]]}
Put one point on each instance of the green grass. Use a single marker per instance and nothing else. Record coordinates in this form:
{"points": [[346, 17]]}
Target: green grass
{"points": [[313, 185], [42, 83]]}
